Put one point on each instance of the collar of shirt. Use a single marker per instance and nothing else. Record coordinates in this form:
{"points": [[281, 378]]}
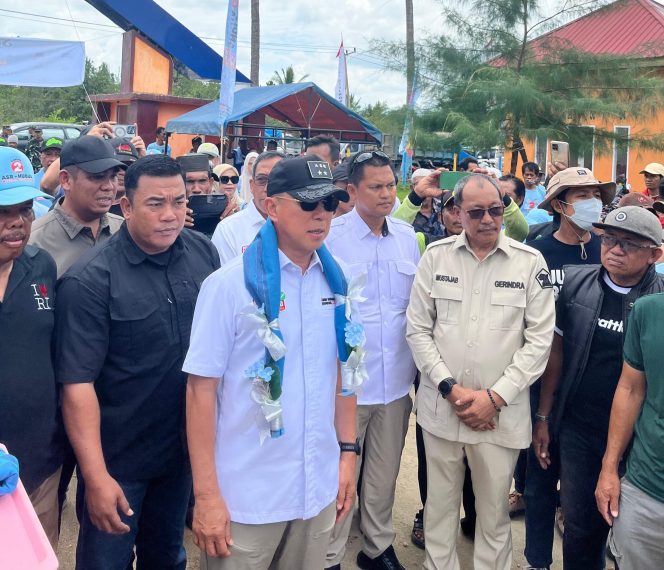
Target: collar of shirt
{"points": [[284, 262], [362, 229], [74, 227], [135, 255], [253, 214], [502, 244]]}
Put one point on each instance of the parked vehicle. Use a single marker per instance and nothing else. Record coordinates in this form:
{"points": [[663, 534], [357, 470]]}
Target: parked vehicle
{"points": [[63, 131]]}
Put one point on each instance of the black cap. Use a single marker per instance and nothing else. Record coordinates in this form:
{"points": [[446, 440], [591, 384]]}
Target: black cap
{"points": [[340, 172], [52, 143], [305, 178], [194, 162], [89, 153], [125, 152]]}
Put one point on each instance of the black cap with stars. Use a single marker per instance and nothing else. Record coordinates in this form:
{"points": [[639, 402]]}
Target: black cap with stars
{"points": [[305, 178]]}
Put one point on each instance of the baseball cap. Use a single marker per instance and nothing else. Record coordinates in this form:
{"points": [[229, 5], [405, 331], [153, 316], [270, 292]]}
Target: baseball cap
{"points": [[193, 162], [125, 152], [208, 149], [3, 142], [635, 220], [340, 172], [12, 139], [36, 129], [653, 168], [52, 143], [575, 177], [447, 198], [16, 178], [89, 153], [305, 178], [636, 199]]}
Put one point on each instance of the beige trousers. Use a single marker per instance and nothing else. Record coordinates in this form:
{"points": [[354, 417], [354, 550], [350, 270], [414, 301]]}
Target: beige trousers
{"points": [[492, 469], [293, 545], [381, 429], [44, 500]]}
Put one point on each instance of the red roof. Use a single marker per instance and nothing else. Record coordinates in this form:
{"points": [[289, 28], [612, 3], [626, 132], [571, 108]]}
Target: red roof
{"points": [[625, 27]]}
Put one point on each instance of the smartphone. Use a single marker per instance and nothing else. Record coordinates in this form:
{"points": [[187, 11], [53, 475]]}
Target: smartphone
{"points": [[449, 179], [124, 131], [207, 208], [560, 152]]}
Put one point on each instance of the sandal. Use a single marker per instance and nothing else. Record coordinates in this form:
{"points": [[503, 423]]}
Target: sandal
{"points": [[516, 504], [417, 535]]}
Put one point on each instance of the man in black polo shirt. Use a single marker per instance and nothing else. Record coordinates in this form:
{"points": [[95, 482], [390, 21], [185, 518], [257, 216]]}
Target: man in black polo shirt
{"points": [[123, 332], [28, 408]]}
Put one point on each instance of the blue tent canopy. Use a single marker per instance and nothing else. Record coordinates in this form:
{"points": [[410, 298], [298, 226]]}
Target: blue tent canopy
{"points": [[301, 105]]}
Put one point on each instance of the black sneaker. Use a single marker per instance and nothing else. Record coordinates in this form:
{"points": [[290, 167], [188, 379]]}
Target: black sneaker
{"points": [[386, 561]]}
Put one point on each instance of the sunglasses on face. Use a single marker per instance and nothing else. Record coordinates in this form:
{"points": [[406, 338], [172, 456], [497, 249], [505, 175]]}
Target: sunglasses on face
{"points": [[363, 157], [227, 179], [626, 245], [330, 203], [478, 214]]}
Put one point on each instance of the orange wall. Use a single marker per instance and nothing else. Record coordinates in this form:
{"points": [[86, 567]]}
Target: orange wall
{"points": [[603, 163], [151, 73], [180, 144]]}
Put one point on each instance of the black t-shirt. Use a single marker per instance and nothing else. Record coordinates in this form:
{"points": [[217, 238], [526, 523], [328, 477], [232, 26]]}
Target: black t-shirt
{"points": [[29, 422], [123, 322], [558, 254], [589, 406]]}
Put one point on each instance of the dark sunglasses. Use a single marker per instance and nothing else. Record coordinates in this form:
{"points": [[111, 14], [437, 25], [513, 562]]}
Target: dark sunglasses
{"points": [[478, 214], [227, 179], [330, 203], [626, 245], [364, 156]]}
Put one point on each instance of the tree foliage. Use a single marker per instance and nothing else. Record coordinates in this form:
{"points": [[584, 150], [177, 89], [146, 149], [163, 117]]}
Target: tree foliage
{"points": [[285, 76]]}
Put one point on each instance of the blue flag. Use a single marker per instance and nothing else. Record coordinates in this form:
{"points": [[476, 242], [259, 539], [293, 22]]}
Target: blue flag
{"points": [[227, 89]]}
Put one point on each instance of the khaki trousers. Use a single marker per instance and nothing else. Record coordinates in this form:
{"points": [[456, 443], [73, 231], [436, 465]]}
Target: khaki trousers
{"points": [[492, 469], [44, 500], [293, 545], [381, 429]]}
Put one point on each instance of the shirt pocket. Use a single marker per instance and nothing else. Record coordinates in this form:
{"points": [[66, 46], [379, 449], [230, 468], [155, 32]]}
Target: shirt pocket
{"points": [[137, 325], [507, 310], [448, 302], [402, 274]]}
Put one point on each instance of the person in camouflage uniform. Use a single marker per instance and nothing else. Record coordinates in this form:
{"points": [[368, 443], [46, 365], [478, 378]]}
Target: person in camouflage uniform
{"points": [[33, 150]]}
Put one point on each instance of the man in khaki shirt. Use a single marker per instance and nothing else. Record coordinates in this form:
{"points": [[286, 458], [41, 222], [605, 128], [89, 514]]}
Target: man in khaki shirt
{"points": [[80, 220], [480, 326]]}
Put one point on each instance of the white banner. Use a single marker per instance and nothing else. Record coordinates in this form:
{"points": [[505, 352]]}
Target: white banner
{"points": [[227, 89], [41, 63], [341, 88]]}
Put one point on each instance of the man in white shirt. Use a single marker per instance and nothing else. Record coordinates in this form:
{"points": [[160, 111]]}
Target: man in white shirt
{"points": [[273, 468], [385, 250], [234, 233]]}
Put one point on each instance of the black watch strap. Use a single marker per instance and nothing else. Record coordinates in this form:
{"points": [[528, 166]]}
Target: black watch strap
{"points": [[350, 447]]}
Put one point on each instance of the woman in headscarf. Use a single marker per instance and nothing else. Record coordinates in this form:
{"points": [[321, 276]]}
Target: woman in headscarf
{"points": [[244, 189], [227, 179]]}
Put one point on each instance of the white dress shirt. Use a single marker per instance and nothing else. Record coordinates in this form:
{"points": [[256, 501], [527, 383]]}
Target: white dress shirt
{"points": [[296, 475], [234, 234], [389, 262]]}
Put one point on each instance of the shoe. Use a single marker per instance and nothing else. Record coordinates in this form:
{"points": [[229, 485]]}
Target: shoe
{"points": [[468, 527], [417, 534], [335, 567], [516, 504], [560, 521], [386, 561]]}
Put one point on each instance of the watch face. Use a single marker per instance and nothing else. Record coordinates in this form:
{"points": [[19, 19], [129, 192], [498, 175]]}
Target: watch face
{"points": [[444, 388]]}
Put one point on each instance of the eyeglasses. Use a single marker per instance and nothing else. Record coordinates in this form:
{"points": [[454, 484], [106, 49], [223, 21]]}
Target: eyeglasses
{"points": [[626, 245], [227, 179], [330, 203], [260, 180], [363, 157], [478, 214]]}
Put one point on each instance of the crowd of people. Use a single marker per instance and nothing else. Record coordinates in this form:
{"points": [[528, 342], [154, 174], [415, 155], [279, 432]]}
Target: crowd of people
{"points": [[255, 384]]}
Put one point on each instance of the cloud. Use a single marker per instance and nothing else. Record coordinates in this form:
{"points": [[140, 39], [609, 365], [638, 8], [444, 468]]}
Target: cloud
{"points": [[305, 34]]}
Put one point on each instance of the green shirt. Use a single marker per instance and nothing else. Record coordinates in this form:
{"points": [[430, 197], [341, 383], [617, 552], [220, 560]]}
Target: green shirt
{"points": [[643, 351]]}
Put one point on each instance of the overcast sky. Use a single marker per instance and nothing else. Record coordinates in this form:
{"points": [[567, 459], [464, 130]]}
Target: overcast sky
{"points": [[304, 33]]}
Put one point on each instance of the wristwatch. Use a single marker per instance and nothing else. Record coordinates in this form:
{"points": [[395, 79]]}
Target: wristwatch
{"points": [[350, 447], [445, 386], [507, 200]]}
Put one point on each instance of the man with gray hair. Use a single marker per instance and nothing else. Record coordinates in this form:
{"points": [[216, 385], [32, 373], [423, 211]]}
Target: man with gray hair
{"points": [[234, 233], [480, 323]]}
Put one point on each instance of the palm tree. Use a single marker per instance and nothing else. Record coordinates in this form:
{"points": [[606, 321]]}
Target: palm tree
{"points": [[285, 76], [410, 49], [354, 103], [255, 41]]}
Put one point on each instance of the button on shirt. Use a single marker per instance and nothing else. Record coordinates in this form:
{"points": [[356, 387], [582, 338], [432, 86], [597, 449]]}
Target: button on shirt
{"points": [[389, 261], [123, 322], [67, 239], [487, 324], [296, 475], [234, 234]]}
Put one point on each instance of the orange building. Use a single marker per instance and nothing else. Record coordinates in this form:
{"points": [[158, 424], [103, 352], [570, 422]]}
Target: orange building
{"points": [[625, 27]]}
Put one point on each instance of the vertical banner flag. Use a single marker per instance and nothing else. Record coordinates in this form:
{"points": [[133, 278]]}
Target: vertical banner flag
{"points": [[227, 89], [341, 88], [405, 146]]}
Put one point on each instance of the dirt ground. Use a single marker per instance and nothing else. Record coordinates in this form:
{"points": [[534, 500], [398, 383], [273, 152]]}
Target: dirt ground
{"points": [[407, 503]]}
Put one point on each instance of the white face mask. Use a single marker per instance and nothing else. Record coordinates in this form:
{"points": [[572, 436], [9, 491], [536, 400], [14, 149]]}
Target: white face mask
{"points": [[586, 213]]}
